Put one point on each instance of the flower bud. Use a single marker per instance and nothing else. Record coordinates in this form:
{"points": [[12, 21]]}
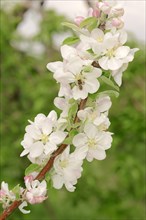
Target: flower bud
{"points": [[118, 23], [79, 19], [96, 13]]}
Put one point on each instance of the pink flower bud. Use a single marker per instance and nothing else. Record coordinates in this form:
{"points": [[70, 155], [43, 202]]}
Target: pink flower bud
{"points": [[35, 200], [96, 13], [28, 178], [118, 23], [79, 19], [117, 12], [2, 193], [105, 7]]}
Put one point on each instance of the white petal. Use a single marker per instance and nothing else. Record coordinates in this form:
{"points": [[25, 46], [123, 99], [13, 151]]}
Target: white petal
{"points": [[53, 66], [60, 103], [97, 34], [104, 103], [79, 140], [122, 52], [106, 140], [46, 127], [75, 65], [57, 137], [91, 85], [118, 78], [114, 64], [57, 181], [80, 152], [82, 114], [96, 72], [21, 208], [49, 148], [123, 37], [36, 149], [26, 151], [99, 154], [103, 62], [33, 132], [39, 118], [67, 52], [90, 130], [52, 116]]}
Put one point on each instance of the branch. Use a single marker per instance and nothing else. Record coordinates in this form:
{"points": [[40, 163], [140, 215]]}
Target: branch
{"points": [[89, 3], [7, 212]]}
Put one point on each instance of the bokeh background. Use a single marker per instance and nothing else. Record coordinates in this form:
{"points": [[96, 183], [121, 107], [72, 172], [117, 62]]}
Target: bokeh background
{"points": [[113, 189]]}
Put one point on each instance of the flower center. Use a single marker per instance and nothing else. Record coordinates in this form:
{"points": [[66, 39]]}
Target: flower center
{"points": [[44, 138], [110, 53], [79, 80], [64, 163], [100, 39], [91, 143]]}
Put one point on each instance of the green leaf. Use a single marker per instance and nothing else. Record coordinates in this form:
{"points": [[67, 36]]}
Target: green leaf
{"points": [[107, 92], [48, 177], [32, 168], [71, 40], [109, 82], [72, 133], [88, 68], [91, 21], [72, 26], [16, 191], [110, 93]]}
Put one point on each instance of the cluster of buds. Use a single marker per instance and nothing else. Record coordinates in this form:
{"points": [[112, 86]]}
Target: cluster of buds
{"points": [[94, 58]]}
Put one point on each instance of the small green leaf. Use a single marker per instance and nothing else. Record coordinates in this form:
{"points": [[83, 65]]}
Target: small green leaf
{"points": [[71, 40], [16, 191], [48, 177], [88, 22], [72, 133], [71, 25], [109, 82], [88, 68], [90, 51], [32, 168], [107, 92], [110, 93]]}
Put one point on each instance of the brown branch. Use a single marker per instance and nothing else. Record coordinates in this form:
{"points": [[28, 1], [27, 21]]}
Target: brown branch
{"points": [[89, 3], [7, 212]]}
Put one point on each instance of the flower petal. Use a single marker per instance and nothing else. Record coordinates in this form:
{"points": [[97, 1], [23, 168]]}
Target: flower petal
{"points": [[67, 52], [122, 52], [114, 64], [53, 66], [90, 130], [36, 149], [103, 62], [57, 137], [79, 140], [57, 181]]}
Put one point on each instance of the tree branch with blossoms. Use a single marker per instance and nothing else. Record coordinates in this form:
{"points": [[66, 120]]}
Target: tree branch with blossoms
{"points": [[93, 59]]}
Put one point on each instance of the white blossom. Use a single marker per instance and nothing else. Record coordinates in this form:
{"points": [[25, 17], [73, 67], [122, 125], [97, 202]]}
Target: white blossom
{"points": [[79, 73], [40, 141], [96, 142], [97, 114], [68, 168], [6, 195], [36, 191]]}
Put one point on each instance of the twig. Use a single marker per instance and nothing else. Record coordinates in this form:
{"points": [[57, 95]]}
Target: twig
{"points": [[89, 3]]}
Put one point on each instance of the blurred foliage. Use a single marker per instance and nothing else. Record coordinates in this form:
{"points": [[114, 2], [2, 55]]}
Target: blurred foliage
{"points": [[112, 189]]}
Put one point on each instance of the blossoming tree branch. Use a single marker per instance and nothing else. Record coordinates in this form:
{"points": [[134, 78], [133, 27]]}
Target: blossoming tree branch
{"points": [[93, 59]]}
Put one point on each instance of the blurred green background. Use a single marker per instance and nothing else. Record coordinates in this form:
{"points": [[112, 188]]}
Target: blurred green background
{"points": [[112, 189]]}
